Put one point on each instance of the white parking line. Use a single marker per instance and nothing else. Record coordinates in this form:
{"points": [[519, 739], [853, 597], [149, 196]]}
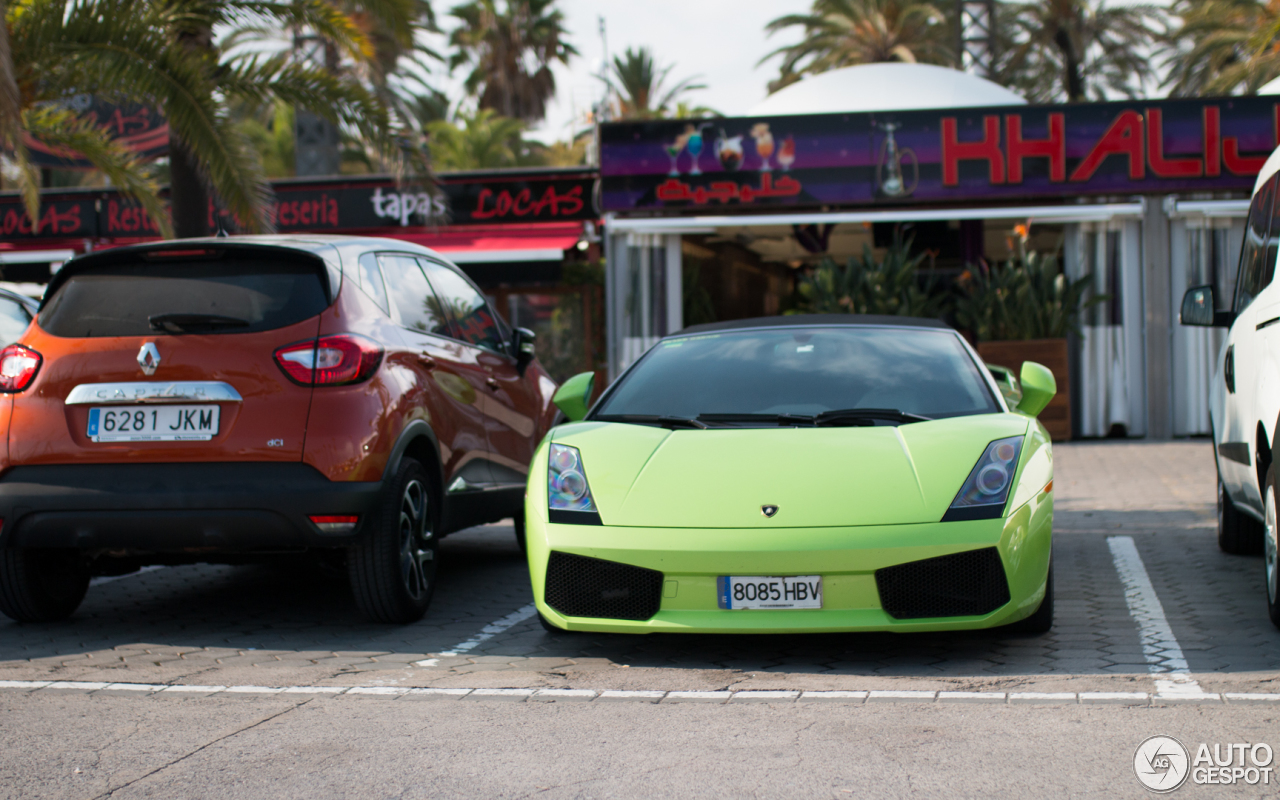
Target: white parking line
{"points": [[109, 578], [486, 633], [1159, 645]]}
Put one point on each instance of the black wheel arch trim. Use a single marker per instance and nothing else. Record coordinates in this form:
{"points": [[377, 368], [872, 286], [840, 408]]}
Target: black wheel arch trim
{"points": [[415, 430]]}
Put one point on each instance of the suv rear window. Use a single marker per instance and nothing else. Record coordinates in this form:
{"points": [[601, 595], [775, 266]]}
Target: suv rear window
{"points": [[197, 296]]}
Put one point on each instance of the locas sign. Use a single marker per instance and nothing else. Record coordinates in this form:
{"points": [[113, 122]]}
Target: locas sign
{"points": [[354, 204], [943, 155]]}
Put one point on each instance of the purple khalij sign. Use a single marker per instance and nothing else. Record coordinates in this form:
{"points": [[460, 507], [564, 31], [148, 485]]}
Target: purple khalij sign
{"points": [[949, 155]]}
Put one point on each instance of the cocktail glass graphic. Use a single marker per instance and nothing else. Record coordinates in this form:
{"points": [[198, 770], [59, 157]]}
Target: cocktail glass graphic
{"points": [[787, 153], [729, 151], [673, 149], [694, 146], [764, 144]]}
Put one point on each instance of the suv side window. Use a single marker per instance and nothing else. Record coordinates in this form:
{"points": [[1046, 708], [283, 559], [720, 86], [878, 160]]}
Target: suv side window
{"points": [[371, 280], [473, 320], [419, 309], [1255, 254]]}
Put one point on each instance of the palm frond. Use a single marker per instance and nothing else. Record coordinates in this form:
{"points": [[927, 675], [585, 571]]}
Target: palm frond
{"points": [[60, 128]]}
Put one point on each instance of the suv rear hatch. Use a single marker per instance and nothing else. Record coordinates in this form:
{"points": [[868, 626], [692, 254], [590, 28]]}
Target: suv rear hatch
{"points": [[166, 355]]}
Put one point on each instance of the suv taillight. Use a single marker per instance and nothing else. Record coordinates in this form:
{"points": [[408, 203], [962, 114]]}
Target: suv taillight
{"points": [[330, 360], [18, 367]]}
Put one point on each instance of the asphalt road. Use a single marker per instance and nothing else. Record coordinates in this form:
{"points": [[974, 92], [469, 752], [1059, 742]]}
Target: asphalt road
{"points": [[264, 681]]}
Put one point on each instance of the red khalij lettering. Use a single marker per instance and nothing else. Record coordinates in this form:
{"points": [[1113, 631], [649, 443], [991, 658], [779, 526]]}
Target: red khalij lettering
{"points": [[1136, 137]]}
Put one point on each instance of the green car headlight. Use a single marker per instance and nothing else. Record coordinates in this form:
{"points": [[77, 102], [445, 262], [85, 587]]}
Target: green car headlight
{"points": [[569, 499], [985, 491]]}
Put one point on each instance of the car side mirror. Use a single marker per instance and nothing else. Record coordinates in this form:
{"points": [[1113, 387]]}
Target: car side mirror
{"points": [[574, 395], [1038, 388], [1008, 383], [522, 347], [1199, 309]]}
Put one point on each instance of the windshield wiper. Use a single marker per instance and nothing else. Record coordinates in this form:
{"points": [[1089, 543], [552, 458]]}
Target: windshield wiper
{"points": [[779, 419], [653, 419], [843, 416], [860, 416], [192, 323]]}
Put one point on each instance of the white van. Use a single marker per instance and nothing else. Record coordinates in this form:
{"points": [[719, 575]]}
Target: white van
{"points": [[1244, 400]]}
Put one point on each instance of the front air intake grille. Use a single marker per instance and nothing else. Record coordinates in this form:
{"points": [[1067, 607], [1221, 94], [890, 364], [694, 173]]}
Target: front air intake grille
{"points": [[965, 584], [578, 586]]}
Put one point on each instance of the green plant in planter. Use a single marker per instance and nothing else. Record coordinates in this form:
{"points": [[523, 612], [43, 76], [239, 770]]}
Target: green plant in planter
{"points": [[867, 286], [1026, 297]]}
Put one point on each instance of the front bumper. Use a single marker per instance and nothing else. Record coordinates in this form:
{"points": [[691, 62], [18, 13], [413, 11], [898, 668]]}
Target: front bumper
{"points": [[238, 507], [847, 558]]}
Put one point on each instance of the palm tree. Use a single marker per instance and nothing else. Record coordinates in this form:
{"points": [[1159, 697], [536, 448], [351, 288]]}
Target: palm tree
{"points": [[51, 50], [638, 81], [510, 51], [841, 33], [1075, 50], [1223, 47], [254, 77], [481, 140], [160, 53]]}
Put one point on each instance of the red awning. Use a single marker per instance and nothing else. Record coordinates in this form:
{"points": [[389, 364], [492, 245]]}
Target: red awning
{"points": [[499, 243]]}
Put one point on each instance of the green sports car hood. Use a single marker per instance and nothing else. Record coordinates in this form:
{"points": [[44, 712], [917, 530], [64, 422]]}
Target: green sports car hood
{"points": [[646, 476]]}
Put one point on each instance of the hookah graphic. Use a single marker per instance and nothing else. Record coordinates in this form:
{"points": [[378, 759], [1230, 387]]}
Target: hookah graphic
{"points": [[889, 168]]}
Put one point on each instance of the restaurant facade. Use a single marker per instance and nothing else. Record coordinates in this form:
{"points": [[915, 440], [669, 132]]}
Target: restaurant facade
{"points": [[529, 238], [689, 221], [1147, 197]]}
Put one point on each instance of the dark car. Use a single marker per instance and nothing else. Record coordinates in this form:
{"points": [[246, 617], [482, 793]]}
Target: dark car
{"points": [[233, 399], [16, 313]]}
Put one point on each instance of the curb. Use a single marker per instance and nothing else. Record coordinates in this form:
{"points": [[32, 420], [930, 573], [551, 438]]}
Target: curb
{"points": [[657, 696]]}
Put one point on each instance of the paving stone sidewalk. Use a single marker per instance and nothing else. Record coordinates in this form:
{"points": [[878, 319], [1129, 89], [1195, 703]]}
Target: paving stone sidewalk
{"points": [[294, 624]]}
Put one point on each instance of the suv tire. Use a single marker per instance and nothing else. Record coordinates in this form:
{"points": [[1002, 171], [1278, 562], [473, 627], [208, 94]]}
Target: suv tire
{"points": [[41, 585], [393, 568], [1042, 619], [1238, 534], [1271, 549]]}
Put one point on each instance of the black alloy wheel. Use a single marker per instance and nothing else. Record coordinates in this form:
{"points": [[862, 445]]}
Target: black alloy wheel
{"points": [[1271, 550], [1238, 533], [1042, 620], [41, 585], [393, 567]]}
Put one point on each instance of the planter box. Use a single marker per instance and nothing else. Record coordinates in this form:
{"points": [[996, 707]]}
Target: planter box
{"points": [[1053, 354]]}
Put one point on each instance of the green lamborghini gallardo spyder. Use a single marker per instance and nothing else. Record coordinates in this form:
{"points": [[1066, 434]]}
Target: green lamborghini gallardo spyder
{"points": [[797, 474]]}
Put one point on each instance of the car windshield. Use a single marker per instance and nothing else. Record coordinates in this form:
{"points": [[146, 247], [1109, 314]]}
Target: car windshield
{"points": [[229, 295], [806, 372]]}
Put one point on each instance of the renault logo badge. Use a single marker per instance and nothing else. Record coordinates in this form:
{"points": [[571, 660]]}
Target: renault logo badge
{"points": [[768, 511], [149, 358]]}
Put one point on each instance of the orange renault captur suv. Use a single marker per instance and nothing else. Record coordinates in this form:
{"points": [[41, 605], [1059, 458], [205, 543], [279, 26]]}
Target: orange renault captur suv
{"points": [[229, 399]]}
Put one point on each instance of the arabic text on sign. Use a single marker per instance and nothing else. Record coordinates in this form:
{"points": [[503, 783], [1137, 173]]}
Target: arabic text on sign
{"points": [[724, 191]]}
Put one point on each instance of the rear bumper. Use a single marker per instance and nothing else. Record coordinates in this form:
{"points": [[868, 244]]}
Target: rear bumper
{"points": [[214, 507], [689, 562]]}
